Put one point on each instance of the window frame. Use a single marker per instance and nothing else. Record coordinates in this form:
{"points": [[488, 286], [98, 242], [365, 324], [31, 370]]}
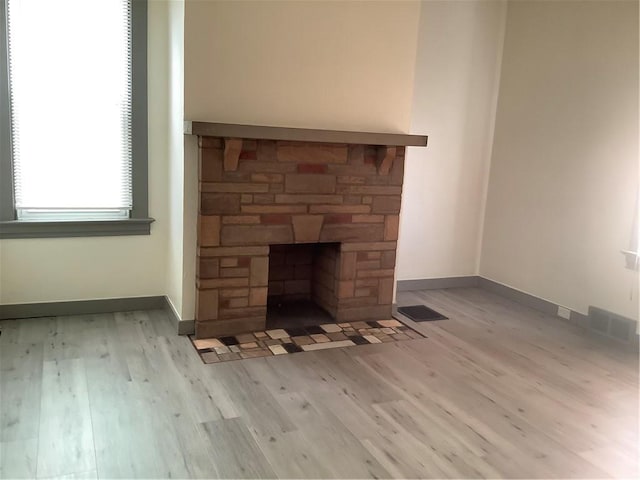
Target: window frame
{"points": [[139, 222]]}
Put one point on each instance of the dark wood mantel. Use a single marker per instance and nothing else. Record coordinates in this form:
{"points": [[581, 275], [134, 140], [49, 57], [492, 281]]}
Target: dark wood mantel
{"points": [[228, 130]]}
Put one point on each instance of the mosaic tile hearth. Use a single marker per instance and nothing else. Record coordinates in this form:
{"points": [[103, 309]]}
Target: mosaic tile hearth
{"points": [[283, 341]]}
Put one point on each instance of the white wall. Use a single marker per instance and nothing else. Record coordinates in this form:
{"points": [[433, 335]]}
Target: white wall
{"points": [[174, 12], [325, 64], [41, 270], [455, 93], [191, 190], [564, 173]]}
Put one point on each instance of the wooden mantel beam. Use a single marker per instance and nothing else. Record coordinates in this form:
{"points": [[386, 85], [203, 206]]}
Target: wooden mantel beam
{"points": [[232, 131]]}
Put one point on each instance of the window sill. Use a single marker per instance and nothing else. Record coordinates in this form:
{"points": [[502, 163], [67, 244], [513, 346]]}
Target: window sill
{"points": [[72, 228]]}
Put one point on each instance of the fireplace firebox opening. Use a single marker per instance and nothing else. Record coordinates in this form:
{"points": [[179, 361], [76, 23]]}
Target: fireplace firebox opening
{"points": [[302, 284]]}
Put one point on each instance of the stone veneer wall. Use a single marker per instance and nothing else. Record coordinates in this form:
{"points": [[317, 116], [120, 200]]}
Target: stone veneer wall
{"points": [[294, 192]]}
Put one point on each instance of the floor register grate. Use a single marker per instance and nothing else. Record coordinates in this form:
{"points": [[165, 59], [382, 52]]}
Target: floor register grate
{"points": [[420, 313]]}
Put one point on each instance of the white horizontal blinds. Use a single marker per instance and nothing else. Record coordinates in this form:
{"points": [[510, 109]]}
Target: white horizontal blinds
{"points": [[70, 80]]}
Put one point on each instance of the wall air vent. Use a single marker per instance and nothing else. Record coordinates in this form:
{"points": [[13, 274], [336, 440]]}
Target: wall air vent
{"points": [[612, 325]]}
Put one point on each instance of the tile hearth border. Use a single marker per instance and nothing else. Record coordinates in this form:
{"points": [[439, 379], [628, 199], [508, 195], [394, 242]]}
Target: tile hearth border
{"points": [[284, 341]]}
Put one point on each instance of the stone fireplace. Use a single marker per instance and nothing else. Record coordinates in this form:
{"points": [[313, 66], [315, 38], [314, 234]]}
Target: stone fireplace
{"points": [[289, 214]]}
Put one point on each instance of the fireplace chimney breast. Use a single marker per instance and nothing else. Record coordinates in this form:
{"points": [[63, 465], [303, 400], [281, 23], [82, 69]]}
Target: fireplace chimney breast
{"points": [[262, 188]]}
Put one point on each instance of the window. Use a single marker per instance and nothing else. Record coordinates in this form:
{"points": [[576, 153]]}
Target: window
{"points": [[73, 130]]}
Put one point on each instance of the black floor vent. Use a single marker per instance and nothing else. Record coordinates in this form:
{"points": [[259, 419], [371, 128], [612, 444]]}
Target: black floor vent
{"points": [[420, 313]]}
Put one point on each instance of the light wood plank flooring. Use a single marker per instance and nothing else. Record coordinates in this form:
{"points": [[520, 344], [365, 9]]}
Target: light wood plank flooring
{"points": [[498, 390]]}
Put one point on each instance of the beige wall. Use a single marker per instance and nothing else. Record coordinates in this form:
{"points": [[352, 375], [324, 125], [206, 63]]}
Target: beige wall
{"points": [[324, 64], [564, 172], [174, 14], [455, 93], [42, 270]]}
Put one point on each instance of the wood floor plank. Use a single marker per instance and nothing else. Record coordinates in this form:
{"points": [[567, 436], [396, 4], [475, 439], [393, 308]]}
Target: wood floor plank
{"points": [[344, 455], [263, 415], [234, 451], [435, 435], [65, 441], [292, 455], [201, 396], [89, 475], [487, 417], [18, 458], [496, 391], [402, 457], [20, 390], [37, 330], [122, 425]]}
